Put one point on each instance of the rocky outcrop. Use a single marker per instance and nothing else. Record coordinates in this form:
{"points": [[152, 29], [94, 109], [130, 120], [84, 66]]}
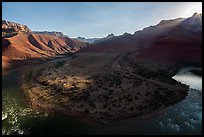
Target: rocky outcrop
{"points": [[91, 40], [172, 40], [14, 26], [181, 43], [53, 33], [19, 42]]}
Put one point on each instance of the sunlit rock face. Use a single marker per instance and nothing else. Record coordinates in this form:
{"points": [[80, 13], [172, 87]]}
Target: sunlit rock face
{"points": [[20, 43], [53, 33], [15, 26]]}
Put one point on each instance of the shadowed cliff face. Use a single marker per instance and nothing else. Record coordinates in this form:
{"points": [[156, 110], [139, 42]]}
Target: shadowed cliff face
{"points": [[182, 43], [172, 40]]}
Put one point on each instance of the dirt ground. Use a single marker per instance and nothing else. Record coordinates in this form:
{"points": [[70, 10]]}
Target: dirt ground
{"points": [[102, 86]]}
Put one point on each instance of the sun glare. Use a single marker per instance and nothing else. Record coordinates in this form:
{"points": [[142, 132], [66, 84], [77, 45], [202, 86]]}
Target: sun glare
{"points": [[197, 7]]}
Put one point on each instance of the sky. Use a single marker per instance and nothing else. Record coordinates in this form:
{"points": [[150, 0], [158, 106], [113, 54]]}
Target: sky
{"points": [[95, 19]]}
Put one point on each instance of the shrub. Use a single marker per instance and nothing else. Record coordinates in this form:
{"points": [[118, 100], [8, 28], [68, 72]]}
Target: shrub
{"points": [[128, 98], [132, 108], [59, 64], [86, 111]]}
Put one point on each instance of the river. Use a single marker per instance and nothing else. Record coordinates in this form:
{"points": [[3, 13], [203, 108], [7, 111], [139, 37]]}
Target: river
{"points": [[184, 117]]}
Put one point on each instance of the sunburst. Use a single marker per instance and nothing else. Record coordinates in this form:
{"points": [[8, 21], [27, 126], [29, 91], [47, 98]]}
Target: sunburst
{"points": [[195, 7]]}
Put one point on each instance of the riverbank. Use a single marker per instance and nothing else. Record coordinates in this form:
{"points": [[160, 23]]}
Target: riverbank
{"points": [[82, 88], [165, 121], [196, 72]]}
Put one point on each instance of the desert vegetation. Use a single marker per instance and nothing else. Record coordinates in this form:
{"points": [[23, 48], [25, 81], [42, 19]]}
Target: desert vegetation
{"points": [[90, 85]]}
